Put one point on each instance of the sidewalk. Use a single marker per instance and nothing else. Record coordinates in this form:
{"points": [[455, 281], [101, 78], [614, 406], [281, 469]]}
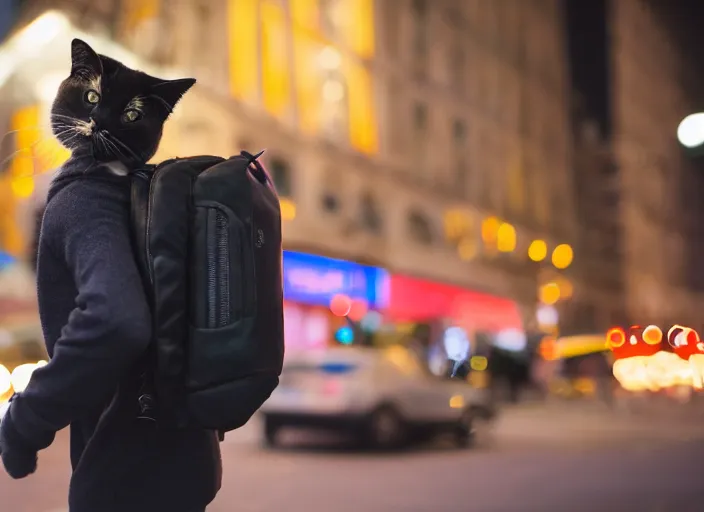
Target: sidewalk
{"points": [[589, 422]]}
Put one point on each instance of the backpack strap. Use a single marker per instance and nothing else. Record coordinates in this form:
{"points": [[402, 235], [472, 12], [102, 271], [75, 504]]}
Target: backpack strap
{"points": [[139, 210]]}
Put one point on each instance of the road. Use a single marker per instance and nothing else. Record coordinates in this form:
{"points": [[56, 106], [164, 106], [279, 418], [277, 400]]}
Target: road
{"points": [[536, 460]]}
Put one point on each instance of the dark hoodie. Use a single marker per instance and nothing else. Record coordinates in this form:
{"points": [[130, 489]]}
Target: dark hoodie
{"points": [[97, 325]]}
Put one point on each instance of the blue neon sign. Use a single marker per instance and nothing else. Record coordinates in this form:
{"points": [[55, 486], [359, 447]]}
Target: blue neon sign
{"points": [[5, 260], [314, 279]]}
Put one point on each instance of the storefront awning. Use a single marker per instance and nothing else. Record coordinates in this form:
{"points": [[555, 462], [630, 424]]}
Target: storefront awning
{"points": [[417, 300]]}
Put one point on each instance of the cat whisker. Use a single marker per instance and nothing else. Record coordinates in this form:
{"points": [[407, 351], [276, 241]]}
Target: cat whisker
{"points": [[33, 150], [61, 116], [113, 147], [128, 150], [19, 130]]}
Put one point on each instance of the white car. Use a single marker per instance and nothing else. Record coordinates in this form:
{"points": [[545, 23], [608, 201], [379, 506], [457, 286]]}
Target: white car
{"points": [[384, 397]]}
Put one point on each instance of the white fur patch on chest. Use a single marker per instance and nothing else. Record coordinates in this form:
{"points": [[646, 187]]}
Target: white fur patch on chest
{"points": [[117, 168]]}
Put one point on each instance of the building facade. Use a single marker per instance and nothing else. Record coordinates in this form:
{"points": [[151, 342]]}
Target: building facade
{"points": [[431, 138], [649, 101], [599, 239]]}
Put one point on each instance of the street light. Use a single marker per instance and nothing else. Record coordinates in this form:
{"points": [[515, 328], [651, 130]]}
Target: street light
{"points": [[690, 132]]}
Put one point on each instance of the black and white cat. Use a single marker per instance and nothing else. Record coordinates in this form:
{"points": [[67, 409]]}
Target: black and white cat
{"points": [[110, 112]]}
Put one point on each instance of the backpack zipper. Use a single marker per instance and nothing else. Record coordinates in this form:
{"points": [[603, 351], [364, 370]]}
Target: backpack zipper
{"points": [[223, 267], [218, 269], [212, 266]]}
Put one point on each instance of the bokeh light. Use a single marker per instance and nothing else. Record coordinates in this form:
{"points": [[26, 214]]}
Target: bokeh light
{"points": [[340, 305], [562, 256], [549, 293], [506, 238], [538, 250]]}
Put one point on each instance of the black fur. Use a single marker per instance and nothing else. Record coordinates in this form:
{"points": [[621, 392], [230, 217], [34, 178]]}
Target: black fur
{"points": [[102, 128]]}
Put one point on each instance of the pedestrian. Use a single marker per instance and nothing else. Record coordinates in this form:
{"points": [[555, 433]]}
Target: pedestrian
{"points": [[94, 312]]}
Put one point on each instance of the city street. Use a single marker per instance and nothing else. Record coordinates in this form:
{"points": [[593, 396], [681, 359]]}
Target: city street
{"points": [[538, 459]]}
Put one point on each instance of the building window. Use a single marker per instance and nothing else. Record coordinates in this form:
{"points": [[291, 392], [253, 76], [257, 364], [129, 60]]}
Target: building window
{"points": [[370, 216], [281, 174], [457, 64], [420, 124], [330, 202], [459, 136], [419, 228], [420, 117], [420, 31]]}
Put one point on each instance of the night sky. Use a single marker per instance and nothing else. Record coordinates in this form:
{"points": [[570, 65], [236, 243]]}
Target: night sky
{"points": [[587, 39]]}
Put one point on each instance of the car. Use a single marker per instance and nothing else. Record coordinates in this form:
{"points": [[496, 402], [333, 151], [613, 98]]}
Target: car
{"points": [[384, 397]]}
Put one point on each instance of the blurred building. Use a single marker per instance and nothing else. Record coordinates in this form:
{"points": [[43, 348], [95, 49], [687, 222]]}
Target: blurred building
{"points": [[599, 238], [650, 99], [429, 138]]}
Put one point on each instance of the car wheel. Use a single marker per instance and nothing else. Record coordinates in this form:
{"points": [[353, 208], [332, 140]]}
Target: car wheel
{"points": [[386, 429], [464, 430], [271, 432]]}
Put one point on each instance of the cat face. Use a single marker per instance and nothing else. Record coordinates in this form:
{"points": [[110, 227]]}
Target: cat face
{"points": [[110, 111]]}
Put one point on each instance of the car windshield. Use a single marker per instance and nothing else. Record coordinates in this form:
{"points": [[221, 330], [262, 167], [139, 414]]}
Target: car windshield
{"points": [[405, 361]]}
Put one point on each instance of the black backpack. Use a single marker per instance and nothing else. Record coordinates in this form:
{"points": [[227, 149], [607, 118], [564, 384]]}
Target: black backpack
{"points": [[207, 235]]}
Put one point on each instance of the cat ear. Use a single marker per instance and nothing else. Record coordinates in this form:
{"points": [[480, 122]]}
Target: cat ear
{"points": [[171, 91], [83, 57]]}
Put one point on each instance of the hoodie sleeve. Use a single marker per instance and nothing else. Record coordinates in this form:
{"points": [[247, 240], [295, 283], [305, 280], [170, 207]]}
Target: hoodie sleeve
{"points": [[107, 331]]}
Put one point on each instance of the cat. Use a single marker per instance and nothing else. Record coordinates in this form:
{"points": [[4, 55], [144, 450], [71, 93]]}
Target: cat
{"points": [[110, 112]]}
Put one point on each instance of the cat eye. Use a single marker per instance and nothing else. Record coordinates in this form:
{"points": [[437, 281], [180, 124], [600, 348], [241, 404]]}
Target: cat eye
{"points": [[131, 115], [92, 97]]}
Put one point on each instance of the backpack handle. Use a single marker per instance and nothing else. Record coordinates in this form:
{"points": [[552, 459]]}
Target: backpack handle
{"points": [[256, 168]]}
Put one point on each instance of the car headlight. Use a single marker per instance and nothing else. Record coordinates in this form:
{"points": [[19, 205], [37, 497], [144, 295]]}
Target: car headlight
{"points": [[5, 380]]}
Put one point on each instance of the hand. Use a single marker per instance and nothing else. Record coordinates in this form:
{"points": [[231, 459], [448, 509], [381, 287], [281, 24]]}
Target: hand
{"points": [[19, 460]]}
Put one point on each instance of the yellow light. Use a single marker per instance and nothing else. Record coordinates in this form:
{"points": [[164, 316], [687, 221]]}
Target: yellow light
{"points": [[138, 11], [5, 380], [478, 363], [490, 228], [243, 59], [467, 249], [585, 386], [288, 209], [329, 58], [306, 51], [275, 63], [538, 250], [548, 349], [333, 91], [566, 288], [562, 256], [479, 380], [23, 187], [457, 223], [361, 108], [21, 375], [457, 401], [358, 27], [305, 14], [549, 293], [506, 238]]}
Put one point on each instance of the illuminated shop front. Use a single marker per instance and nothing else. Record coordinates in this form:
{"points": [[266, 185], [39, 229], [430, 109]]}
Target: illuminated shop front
{"points": [[311, 282], [446, 309], [418, 300]]}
